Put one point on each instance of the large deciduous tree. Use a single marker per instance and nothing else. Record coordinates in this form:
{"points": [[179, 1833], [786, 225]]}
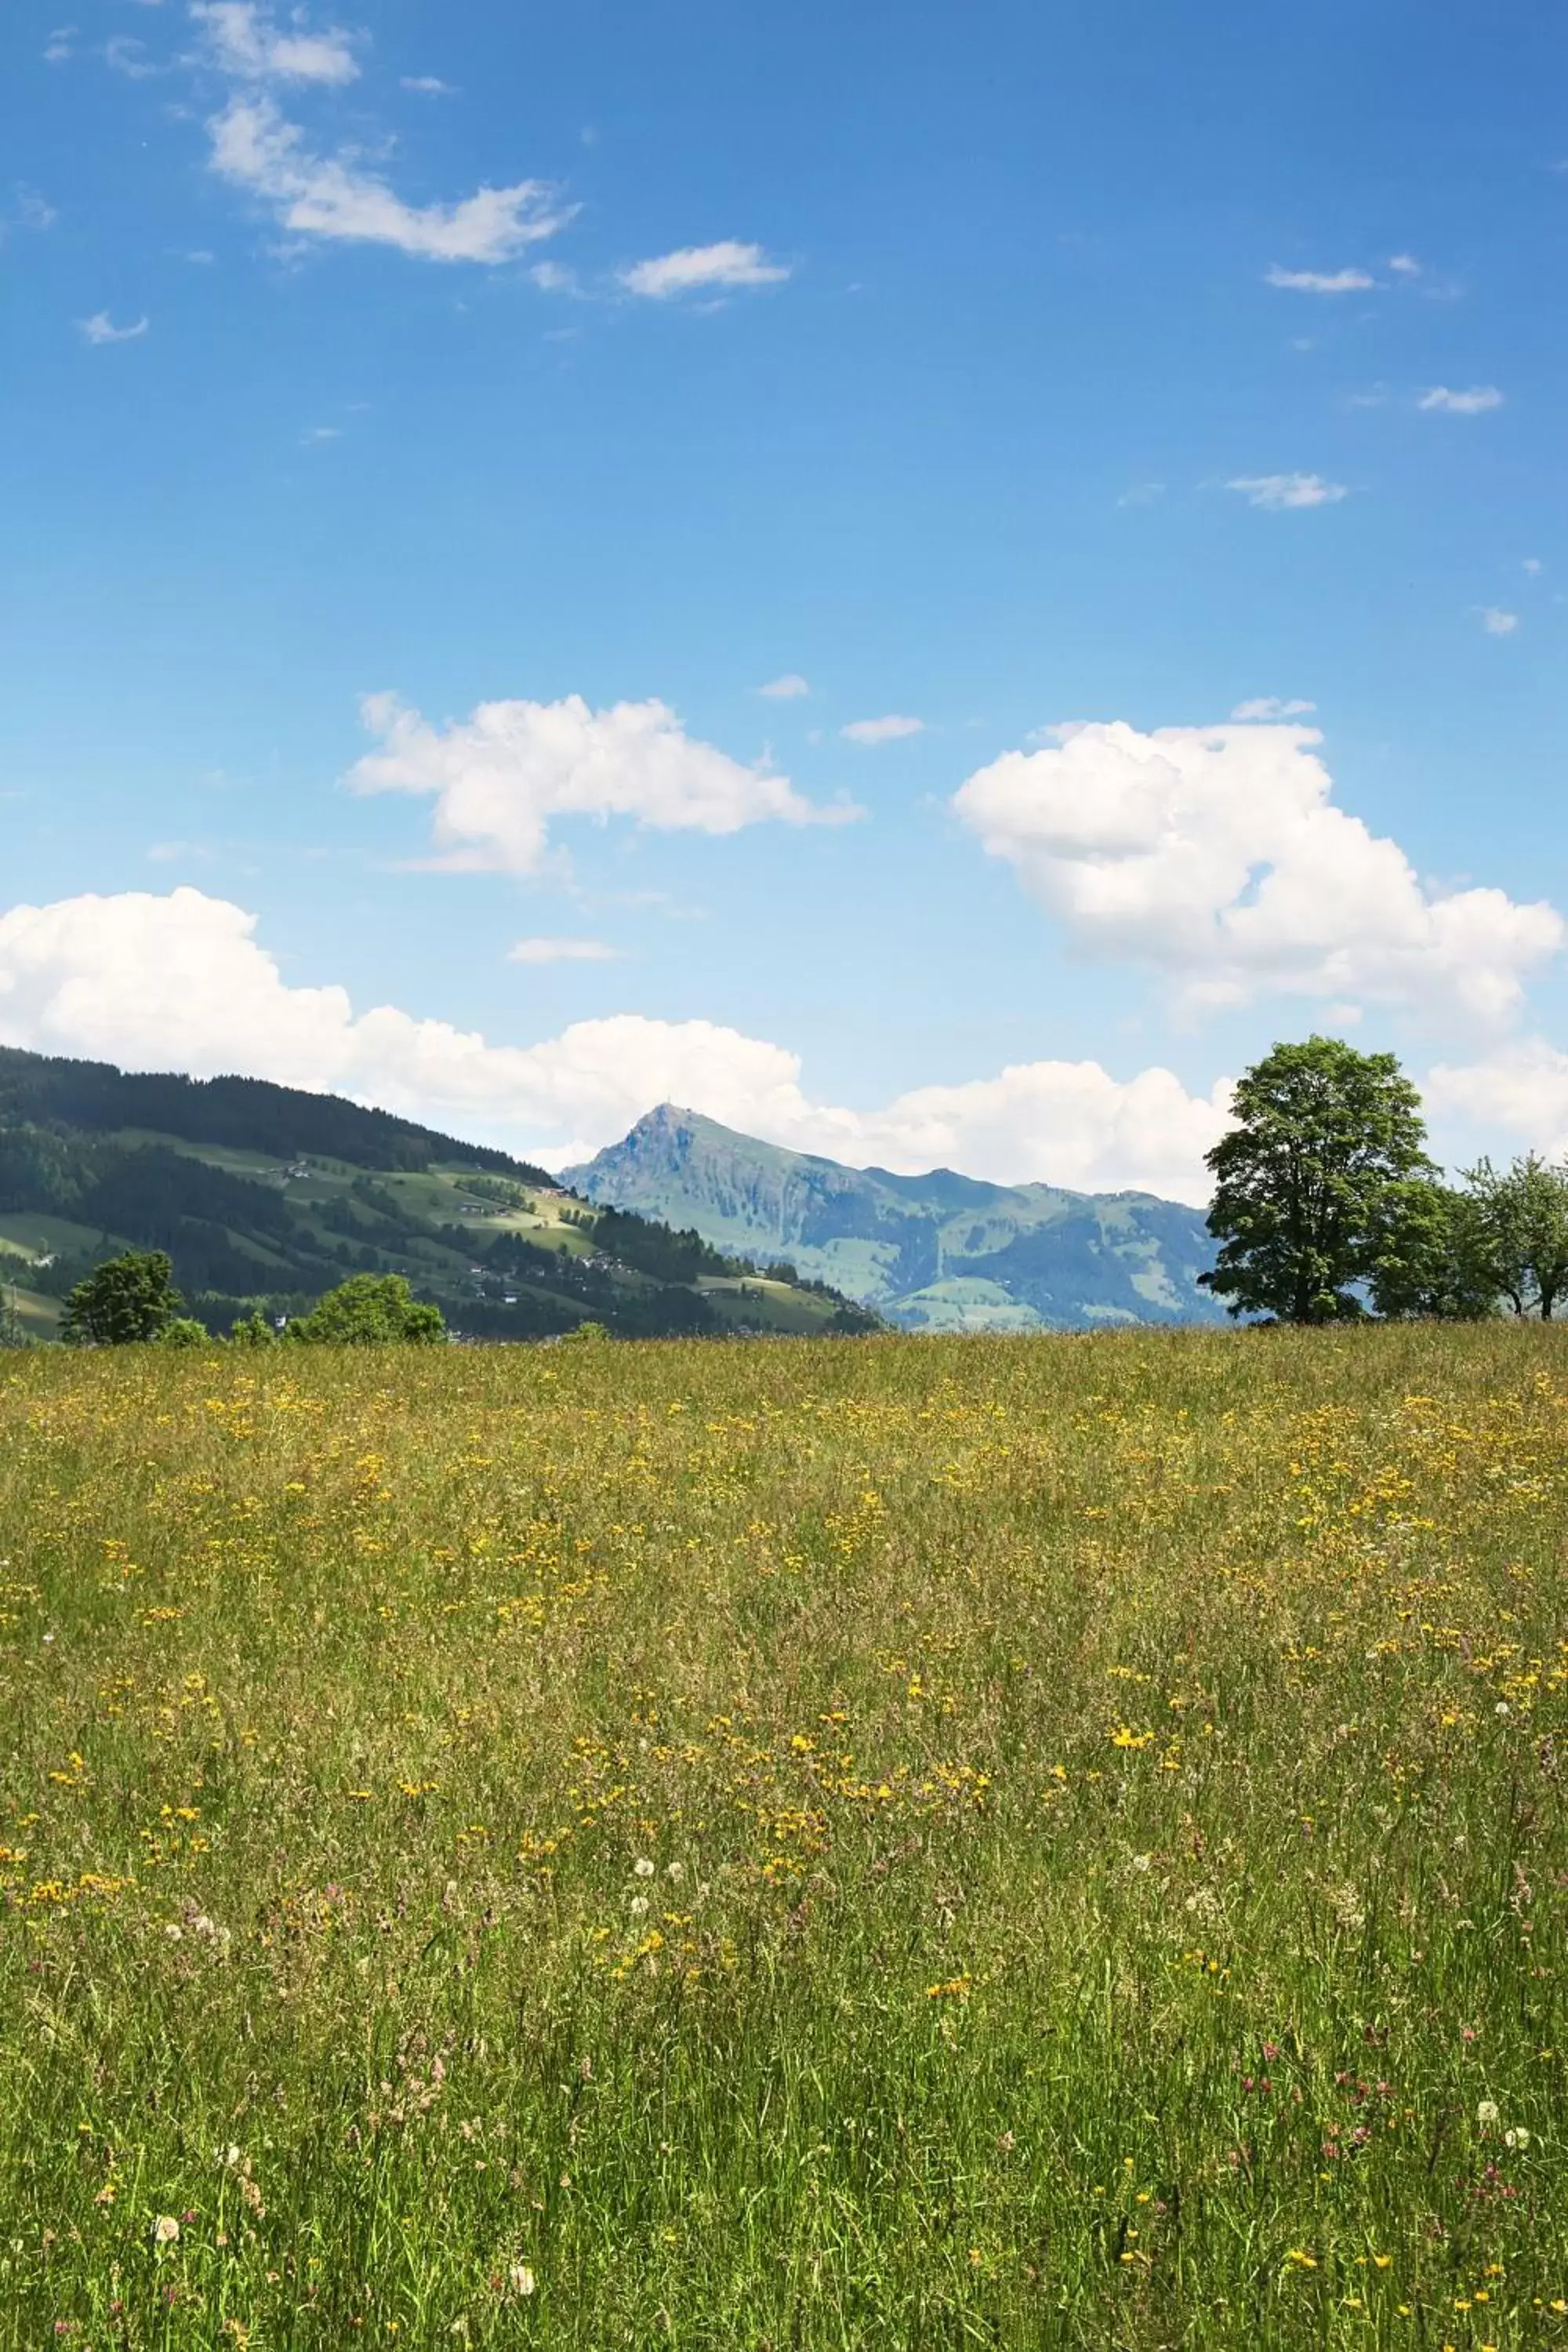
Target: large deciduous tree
{"points": [[1308, 1182]]}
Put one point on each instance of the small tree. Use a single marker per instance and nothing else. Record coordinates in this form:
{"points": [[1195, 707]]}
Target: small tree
{"points": [[1306, 1178], [253, 1330], [126, 1301], [370, 1310], [1430, 1260], [1521, 1213], [185, 1331]]}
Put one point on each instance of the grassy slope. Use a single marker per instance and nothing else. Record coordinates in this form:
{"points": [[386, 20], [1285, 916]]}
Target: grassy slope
{"points": [[439, 1197], [1013, 1843]]}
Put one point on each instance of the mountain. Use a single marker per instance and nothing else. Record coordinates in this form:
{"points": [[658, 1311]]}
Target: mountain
{"points": [[267, 1196], [935, 1253]]}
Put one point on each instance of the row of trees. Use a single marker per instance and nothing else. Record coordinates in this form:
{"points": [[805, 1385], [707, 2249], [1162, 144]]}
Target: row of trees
{"points": [[1327, 1207], [131, 1301]]}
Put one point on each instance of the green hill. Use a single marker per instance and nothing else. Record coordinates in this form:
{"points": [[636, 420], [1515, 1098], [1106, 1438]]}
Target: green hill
{"points": [[265, 1196], [939, 1251]]}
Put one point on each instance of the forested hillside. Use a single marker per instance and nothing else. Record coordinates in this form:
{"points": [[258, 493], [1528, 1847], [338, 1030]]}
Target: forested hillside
{"points": [[265, 1196]]}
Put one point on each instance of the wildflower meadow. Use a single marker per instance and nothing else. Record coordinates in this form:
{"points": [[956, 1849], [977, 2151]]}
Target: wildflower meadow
{"points": [[894, 1843]]}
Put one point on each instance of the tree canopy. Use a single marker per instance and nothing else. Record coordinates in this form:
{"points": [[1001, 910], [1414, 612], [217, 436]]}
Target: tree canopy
{"points": [[1310, 1181], [370, 1310], [1521, 1215], [125, 1301]]}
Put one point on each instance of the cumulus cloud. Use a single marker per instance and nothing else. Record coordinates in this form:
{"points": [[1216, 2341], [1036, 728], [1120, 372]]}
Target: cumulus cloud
{"points": [[102, 329], [696, 267], [499, 777], [1497, 623], [1519, 1094], [242, 39], [1321, 281], [427, 86], [1217, 854], [787, 689], [182, 982], [893, 729], [1474, 403], [1279, 492], [1404, 265], [338, 197], [1269, 707], [542, 950]]}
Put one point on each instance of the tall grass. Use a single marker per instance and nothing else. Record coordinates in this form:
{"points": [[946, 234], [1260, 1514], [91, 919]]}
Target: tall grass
{"points": [[1018, 1844]]}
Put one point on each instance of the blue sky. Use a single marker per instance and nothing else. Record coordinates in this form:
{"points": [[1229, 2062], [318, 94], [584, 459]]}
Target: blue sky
{"points": [[1002, 369]]}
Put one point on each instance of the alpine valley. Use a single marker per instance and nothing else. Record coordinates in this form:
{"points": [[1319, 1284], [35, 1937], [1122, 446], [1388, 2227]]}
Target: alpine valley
{"points": [[265, 1197], [936, 1253]]}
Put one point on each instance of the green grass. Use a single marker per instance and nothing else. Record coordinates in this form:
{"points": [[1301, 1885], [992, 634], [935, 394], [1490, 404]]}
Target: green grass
{"points": [[38, 1316], [739, 1298], [1056, 1842], [30, 1234]]}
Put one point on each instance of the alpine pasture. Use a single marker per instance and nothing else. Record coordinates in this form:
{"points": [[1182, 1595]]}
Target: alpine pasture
{"points": [[890, 1843]]}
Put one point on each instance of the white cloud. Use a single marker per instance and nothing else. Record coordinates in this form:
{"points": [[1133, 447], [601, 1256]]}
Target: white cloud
{"points": [[243, 40], [181, 982], [336, 196], [787, 689], [102, 329], [59, 49], [1320, 282], [1217, 854], [125, 55], [1498, 623], [1279, 492], [1037, 1122], [32, 210], [500, 776], [1533, 565], [1271, 708], [428, 86], [1519, 1094], [1474, 403], [1404, 265], [563, 951], [697, 267], [893, 729], [315, 435]]}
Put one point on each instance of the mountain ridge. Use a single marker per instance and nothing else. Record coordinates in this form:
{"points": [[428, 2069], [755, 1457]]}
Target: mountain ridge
{"points": [[936, 1252]]}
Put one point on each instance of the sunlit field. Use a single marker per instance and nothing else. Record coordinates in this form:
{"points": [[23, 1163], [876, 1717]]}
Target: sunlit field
{"points": [[896, 1843]]}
